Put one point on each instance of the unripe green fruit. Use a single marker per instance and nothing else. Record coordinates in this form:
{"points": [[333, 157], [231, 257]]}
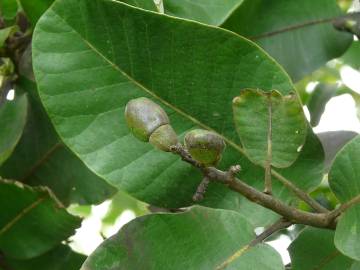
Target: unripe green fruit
{"points": [[143, 117], [164, 137], [149, 122], [204, 146]]}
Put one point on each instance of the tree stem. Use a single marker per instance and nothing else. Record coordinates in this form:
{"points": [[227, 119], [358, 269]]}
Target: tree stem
{"points": [[291, 214], [342, 208]]}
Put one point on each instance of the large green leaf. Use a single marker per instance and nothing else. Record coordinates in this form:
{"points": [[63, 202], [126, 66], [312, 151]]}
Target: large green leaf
{"points": [[87, 68], [344, 180], [277, 26], [272, 127], [314, 249], [32, 221], [59, 258], [40, 158], [213, 12], [162, 241], [12, 120]]}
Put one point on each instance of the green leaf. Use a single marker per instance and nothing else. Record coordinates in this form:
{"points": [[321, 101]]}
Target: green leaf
{"points": [[161, 241], [59, 258], [278, 26], [332, 142], [348, 233], [34, 9], [344, 181], [314, 249], [8, 9], [32, 221], [318, 100], [355, 266], [352, 55], [213, 12], [40, 158], [271, 127], [12, 119], [150, 55]]}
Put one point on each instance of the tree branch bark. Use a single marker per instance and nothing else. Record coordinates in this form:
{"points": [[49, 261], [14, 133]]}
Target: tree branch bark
{"points": [[291, 214]]}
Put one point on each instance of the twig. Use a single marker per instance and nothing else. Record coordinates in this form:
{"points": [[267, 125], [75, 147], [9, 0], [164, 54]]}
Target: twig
{"points": [[302, 25], [178, 149], [290, 213], [199, 194], [301, 194], [287, 183], [342, 208]]}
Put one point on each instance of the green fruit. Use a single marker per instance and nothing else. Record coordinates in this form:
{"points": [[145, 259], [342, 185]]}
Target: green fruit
{"points": [[143, 117], [204, 146], [164, 137]]}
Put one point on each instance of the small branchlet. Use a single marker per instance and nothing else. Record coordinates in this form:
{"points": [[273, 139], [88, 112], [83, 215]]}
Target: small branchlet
{"points": [[203, 151]]}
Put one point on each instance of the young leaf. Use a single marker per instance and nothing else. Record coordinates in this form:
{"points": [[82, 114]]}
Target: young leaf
{"points": [[32, 221], [40, 158], [272, 128], [314, 249], [288, 31], [162, 242], [12, 120], [344, 180]]}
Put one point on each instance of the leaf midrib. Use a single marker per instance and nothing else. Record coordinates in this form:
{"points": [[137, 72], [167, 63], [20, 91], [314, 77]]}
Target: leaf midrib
{"points": [[22, 213]]}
